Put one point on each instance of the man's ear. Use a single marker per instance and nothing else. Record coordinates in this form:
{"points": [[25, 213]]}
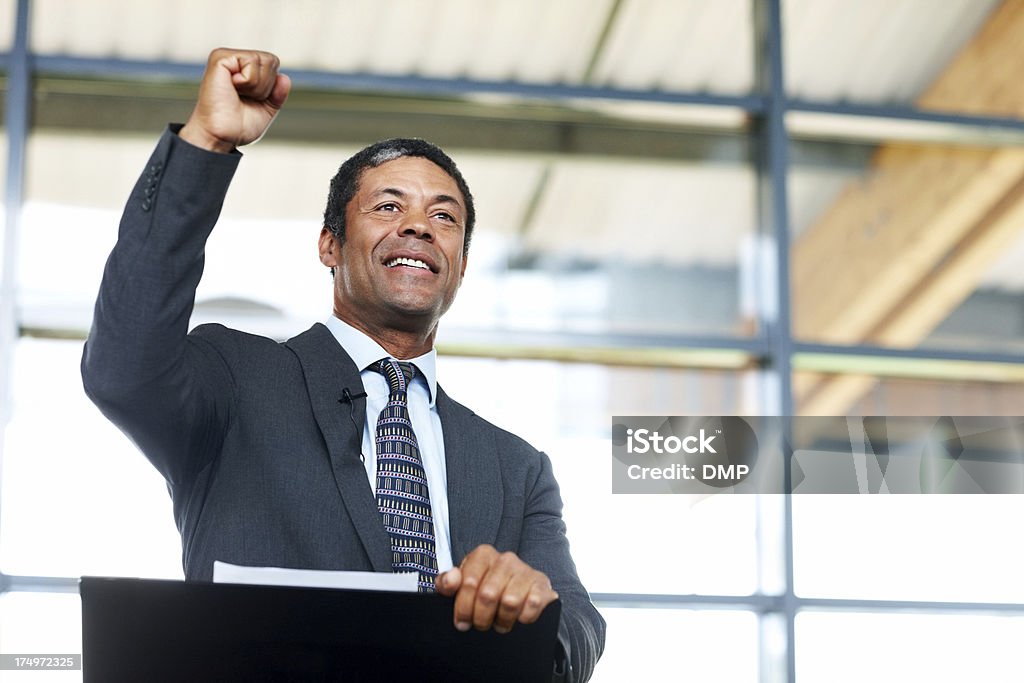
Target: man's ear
{"points": [[328, 255], [462, 271]]}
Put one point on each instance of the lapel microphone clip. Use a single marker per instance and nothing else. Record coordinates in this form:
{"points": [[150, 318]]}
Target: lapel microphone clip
{"points": [[350, 398]]}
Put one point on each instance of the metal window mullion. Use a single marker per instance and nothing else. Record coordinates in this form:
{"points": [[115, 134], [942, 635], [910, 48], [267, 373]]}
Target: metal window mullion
{"points": [[406, 85], [920, 353], [40, 584], [906, 113], [773, 160], [16, 119]]}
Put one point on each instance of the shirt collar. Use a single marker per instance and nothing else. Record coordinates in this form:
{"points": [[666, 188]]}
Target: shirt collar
{"points": [[364, 351]]}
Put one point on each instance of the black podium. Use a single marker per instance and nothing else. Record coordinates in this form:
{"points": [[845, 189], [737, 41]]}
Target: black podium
{"points": [[147, 630]]}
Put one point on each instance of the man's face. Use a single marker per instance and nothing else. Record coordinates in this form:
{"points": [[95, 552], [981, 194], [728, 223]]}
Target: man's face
{"points": [[402, 260]]}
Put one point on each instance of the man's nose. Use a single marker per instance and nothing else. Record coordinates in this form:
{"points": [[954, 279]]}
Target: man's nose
{"points": [[417, 224]]}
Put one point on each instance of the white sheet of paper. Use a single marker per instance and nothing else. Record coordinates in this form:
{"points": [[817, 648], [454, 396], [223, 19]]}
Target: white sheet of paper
{"points": [[224, 572]]}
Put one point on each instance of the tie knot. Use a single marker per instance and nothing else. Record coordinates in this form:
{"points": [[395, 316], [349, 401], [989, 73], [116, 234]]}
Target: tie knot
{"points": [[397, 373]]}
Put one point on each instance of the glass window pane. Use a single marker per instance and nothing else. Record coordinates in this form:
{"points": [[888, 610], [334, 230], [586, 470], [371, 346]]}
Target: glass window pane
{"points": [[3, 168], [41, 623], [291, 289], [908, 547], [77, 498], [893, 648], [8, 11], [677, 543], [565, 410], [908, 245], [606, 246], [856, 394], [935, 547], [540, 399], [905, 52], [654, 645], [556, 247]]}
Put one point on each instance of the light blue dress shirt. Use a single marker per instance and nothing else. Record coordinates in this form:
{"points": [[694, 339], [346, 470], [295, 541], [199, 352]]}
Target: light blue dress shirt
{"points": [[425, 422]]}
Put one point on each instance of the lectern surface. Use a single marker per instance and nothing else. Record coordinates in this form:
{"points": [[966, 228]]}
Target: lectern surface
{"points": [[150, 630]]}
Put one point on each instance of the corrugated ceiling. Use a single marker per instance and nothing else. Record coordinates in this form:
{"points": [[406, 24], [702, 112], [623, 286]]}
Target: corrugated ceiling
{"points": [[868, 50]]}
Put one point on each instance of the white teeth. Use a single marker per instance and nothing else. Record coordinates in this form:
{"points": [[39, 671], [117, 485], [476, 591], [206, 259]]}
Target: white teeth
{"points": [[403, 261]]}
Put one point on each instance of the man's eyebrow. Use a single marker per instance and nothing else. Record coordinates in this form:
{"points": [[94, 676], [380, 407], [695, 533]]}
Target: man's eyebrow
{"points": [[389, 190], [447, 198], [437, 199]]}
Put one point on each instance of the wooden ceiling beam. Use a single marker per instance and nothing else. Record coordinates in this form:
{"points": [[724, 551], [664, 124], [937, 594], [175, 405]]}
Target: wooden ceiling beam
{"points": [[899, 250]]}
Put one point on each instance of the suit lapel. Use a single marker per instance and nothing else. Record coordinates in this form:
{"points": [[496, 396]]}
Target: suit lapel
{"points": [[474, 478], [328, 371]]}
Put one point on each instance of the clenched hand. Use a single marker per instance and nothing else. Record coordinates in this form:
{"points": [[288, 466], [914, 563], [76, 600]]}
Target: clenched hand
{"points": [[240, 94]]}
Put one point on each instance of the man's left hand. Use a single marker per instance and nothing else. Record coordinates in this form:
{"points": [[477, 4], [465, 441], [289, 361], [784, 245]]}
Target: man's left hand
{"points": [[495, 590]]}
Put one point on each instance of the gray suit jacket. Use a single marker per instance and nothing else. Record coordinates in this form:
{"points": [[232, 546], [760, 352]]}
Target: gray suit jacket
{"points": [[256, 439]]}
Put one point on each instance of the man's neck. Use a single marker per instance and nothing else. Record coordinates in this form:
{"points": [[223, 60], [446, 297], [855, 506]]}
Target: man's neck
{"points": [[400, 344]]}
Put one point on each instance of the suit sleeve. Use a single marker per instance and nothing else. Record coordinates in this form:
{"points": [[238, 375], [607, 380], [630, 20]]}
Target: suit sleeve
{"points": [[544, 546], [168, 391]]}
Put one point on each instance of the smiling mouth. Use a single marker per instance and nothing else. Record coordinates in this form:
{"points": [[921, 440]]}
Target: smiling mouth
{"points": [[405, 261]]}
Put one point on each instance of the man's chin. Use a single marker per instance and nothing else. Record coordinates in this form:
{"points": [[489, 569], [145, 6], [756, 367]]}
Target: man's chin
{"points": [[414, 316]]}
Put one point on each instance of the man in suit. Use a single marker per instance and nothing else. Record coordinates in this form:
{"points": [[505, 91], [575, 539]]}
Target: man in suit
{"points": [[267, 447]]}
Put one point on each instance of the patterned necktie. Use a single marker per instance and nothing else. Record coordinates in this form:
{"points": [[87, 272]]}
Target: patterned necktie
{"points": [[402, 495]]}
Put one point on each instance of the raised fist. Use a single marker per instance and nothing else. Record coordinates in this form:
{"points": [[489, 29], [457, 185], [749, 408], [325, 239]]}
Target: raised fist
{"points": [[240, 94]]}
